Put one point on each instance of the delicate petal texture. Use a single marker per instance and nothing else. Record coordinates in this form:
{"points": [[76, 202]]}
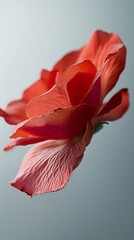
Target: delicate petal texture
{"points": [[62, 124], [114, 108], [47, 167], [66, 92], [48, 102]]}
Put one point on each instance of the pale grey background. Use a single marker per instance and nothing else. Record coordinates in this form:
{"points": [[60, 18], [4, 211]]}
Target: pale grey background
{"points": [[98, 202]]}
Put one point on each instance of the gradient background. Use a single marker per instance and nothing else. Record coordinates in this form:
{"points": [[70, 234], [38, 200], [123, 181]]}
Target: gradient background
{"points": [[98, 202]]}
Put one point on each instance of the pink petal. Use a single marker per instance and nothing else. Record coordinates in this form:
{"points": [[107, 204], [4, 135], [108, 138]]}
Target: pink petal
{"points": [[48, 166], [66, 92]]}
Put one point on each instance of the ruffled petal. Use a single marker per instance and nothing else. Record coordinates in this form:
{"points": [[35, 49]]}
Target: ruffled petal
{"points": [[105, 47], [113, 68], [100, 46], [47, 103], [48, 166], [69, 59], [46, 82], [71, 86], [14, 112], [114, 108], [120, 110], [79, 79], [64, 123]]}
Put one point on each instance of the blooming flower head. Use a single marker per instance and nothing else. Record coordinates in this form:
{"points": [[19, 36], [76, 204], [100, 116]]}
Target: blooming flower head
{"points": [[62, 110]]}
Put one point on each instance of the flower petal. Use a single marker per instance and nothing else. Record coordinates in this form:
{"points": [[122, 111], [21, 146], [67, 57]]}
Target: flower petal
{"points": [[66, 92], [104, 47], [93, 96], [118, 111], [14, 112], [114, 108], [22, 142], [64, 123], [48, 166], [67, 60], [100, 46], [47, 103], [46, 82], [112, 70], [80, 81]]}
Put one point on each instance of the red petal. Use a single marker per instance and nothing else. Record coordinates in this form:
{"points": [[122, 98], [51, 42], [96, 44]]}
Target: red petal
{"points": [[120, 110], [65, 92], [104, 47], [81, 80], [114, 108], [15, 112], [93, 96], [22, 142], [48, 166], [61, 124], [46, 82], [47, 103], [67, 60], [99, 47], [112, 70]]}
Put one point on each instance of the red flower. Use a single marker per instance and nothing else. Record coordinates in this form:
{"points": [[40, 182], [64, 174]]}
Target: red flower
{"points": [[64, 115]]}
